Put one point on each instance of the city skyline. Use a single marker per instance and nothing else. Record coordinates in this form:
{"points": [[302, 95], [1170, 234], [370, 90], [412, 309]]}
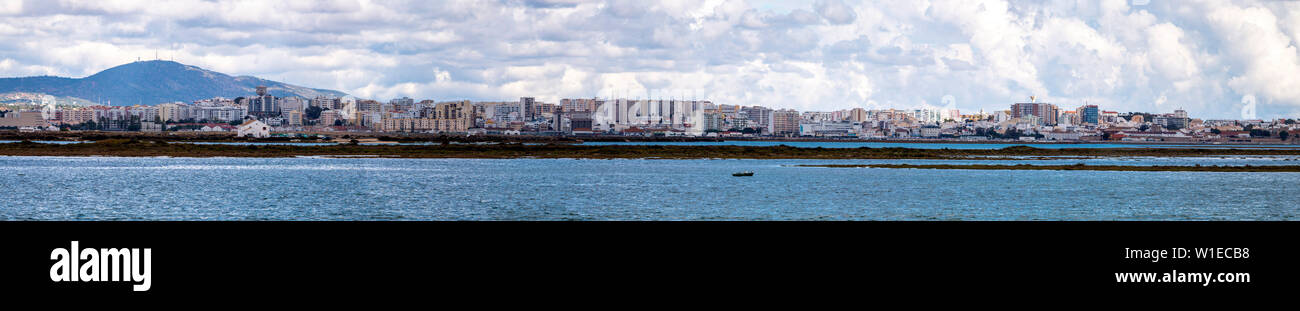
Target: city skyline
{"points": [[1151, 56], [261, 90]]}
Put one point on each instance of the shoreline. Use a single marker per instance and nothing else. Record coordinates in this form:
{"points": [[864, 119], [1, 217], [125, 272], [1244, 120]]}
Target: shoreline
{"points": [[428, 137], [1075, 167], [147, 148]]}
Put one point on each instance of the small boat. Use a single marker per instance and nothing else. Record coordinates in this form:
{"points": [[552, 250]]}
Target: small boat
{"points": [[745, 173]]}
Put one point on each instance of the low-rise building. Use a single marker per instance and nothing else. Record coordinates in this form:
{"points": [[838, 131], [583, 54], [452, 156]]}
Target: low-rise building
{"points": [[254, 128], [19, 119]]}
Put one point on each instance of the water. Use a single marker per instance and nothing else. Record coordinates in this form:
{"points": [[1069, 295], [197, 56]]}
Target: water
{"points": [[110, 188], [934, 145]]}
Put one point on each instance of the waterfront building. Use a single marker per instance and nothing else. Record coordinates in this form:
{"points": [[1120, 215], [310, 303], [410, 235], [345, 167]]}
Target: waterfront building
{"points": [[254, 128], [173, 112], [453, 116], [76, 116], [784, 122], [1062, 136], [215, 128], [579, 122], [219, 113], [151, 127], [818, 116], [759, 115], [443, 117], [930, 131], [21, 119], [1176, 120], [143, 113], [829, 129]]}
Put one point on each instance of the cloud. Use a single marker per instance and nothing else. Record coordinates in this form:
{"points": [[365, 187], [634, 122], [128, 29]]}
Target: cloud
{"points": [[1266, 55], [1201, 55], [835, 11]]}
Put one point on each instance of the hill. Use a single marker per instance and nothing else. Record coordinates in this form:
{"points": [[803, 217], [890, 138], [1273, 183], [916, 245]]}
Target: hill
{"points": [[154, 82]]}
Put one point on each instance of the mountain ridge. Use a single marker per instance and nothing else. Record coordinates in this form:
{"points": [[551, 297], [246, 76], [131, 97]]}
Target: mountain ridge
{"points": [[155, 82]]}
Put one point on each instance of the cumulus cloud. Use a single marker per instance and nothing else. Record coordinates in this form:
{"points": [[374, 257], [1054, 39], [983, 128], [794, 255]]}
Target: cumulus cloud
{"points": [[1266, 55], [835, 11], [1200, 55]]}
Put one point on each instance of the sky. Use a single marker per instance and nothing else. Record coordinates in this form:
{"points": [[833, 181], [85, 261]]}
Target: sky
{"points": [[1217, 59]]}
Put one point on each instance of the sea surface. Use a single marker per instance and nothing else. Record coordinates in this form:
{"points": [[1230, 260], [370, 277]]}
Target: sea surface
{"points": [[315, 188]]}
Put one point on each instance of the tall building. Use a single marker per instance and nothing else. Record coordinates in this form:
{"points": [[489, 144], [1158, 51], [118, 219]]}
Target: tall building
{"points": [[264, 105], [1109, 117], [23, 119], [367, 105], [443, 117], [579, 121], [759, 115], [527, 109], [500, 113], [713, 121], [817, 116], [857, 115], [580, 104], [1089, 114], [1176, 120], [620, 114], [76, 116], [401, 104], [328, 117], [328, 103], [453, 116], [785, 122], [1045, 112], [1068, 118], [173, 112]]}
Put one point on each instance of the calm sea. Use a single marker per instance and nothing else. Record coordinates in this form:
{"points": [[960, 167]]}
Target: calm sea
{"points": [[110, 188]]}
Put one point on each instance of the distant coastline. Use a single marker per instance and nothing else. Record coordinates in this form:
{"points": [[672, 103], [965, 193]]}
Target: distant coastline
{"points": [[423, 137], [140, 147], [1077, 167]]}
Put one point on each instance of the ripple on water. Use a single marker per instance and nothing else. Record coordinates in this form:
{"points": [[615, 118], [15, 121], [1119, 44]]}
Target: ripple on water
{"points": [[108, 188]]}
